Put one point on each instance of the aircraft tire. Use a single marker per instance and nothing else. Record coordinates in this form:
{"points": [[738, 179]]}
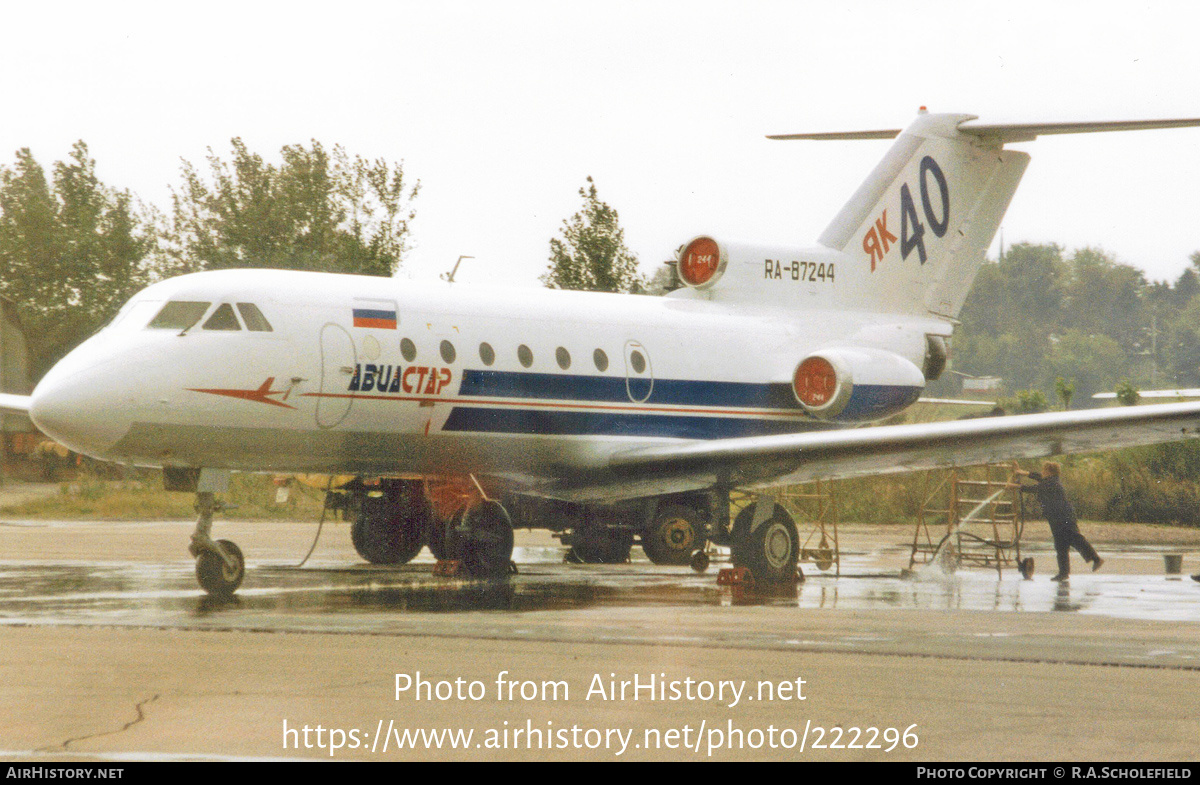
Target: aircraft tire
{"points": [[771, 551], [674, 535], [387, 532], [598, 544], [485, 540], [215, 576]]}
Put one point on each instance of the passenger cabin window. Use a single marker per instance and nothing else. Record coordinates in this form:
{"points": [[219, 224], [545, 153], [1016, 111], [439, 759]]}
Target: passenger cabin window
{"points": [[178, 315], [601, 360], [448, 353], [223, 319], [255, 321], [563, 358], [487, 354], [408, 349], [524, 355]]}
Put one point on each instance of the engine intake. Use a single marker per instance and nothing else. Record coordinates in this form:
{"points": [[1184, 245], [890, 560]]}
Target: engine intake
{"points": [[856, 383], [702, 262]]}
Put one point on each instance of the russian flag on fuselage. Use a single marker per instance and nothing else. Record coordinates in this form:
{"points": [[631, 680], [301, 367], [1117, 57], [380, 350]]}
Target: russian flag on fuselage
{"points": [[378, 314]]}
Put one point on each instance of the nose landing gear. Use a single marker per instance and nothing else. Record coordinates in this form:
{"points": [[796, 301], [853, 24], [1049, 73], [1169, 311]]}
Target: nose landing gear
{"points": [[220, 566]]}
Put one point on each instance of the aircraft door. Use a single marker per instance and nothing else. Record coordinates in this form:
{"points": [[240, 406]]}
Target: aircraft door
{"points": [[639, 376], [338, 359]]}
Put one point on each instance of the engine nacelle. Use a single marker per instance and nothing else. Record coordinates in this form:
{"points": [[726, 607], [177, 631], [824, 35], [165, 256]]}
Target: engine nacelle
{"points": [[759, 272], [702, 262], [856, 383]]}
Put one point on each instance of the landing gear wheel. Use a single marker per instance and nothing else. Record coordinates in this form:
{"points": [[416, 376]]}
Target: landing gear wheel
{"points": [[450, 540], [218, 577], [1026, 567], [382, 541], [595, 543], [769, 551], [390, 527], [699, 561], [485, 540], [673, 536]]}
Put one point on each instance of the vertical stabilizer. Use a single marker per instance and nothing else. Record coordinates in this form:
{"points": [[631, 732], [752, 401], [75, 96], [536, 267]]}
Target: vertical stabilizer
{"points": [[916, 231], [911, 238]]}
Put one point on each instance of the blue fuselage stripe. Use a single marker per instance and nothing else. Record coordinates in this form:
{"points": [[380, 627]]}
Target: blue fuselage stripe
{"points": [[566, 423], [614, 389], [776, 405]]}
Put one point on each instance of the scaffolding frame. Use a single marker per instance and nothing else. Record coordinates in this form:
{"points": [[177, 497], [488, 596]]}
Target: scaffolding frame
{"points": [[979, 518]]}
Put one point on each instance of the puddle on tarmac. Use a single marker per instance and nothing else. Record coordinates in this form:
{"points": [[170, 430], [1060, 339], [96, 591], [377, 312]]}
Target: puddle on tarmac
{"points": [[357, 596]]}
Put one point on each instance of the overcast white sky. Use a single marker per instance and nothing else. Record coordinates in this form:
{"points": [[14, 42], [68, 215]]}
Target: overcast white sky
{"points": [[502, 109]]}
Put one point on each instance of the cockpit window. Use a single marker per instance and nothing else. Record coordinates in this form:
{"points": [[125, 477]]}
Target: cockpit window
{"points": [[253, 317], [178, 315], [222, 319]]}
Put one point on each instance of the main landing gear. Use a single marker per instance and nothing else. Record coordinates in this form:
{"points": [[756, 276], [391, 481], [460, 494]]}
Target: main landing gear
{"points": [[480, 537], [675, 533], [765, 541], [220, 566], [393, 522], [458, 522]]}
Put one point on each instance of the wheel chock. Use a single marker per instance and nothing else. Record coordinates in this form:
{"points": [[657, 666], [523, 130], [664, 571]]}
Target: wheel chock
{"points": [[447, 568], [735, 576]]}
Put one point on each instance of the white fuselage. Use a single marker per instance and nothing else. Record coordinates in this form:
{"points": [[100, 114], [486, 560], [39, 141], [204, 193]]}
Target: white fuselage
{"points": [[388, 376]]}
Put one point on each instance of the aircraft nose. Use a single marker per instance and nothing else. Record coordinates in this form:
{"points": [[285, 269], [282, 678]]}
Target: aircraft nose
{"points": [[78, 410]]}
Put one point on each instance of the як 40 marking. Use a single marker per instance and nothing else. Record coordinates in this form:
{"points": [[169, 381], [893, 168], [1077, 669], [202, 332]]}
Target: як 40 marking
{"points": [[877, 242]]}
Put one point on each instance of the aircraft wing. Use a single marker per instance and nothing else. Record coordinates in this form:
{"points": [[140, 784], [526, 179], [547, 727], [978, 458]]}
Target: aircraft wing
{"points": [[764, 461], [14, 404]]}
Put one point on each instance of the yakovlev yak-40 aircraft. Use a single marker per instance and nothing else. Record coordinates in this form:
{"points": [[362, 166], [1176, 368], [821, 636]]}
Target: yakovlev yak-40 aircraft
{"points": [[614, 416]]}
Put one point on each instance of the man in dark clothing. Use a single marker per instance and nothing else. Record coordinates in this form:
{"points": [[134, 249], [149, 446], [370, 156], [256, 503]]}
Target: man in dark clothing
{"points": [[1061, 517]]}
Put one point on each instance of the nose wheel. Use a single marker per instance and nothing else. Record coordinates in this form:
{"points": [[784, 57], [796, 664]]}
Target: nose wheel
{"points": [[220, 573], [220, 566]]}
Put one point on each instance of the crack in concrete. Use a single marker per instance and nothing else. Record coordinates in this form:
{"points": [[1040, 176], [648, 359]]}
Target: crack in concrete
{"points": [[139, 707]]}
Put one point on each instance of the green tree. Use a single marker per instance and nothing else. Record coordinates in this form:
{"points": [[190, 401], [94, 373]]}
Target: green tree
{"points": [[72, 253], [591, 254], [1027, 285], [1091, 362], [1104, 297], [1064, 390], [664, 280], [1127, 393], [315, 210], [1027, 402]]}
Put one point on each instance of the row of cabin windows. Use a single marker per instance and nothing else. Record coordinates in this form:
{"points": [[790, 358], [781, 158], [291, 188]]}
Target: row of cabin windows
{"points": [[487, 355], [183, 315]]}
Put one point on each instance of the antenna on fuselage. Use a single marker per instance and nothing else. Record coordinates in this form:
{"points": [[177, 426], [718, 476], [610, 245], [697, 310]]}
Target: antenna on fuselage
{"points": [[449, 277]]}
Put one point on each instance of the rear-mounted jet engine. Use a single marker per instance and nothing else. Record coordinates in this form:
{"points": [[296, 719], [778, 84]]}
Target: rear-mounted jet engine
{"points": [[856, 383]]}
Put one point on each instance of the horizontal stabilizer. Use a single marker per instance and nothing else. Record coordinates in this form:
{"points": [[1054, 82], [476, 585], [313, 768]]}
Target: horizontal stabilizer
{"points": [[1008, 132], [840, 136], [1023, 132]]}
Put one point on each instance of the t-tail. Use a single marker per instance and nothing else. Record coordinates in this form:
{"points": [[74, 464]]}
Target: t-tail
{"points": [[912, 237]]}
